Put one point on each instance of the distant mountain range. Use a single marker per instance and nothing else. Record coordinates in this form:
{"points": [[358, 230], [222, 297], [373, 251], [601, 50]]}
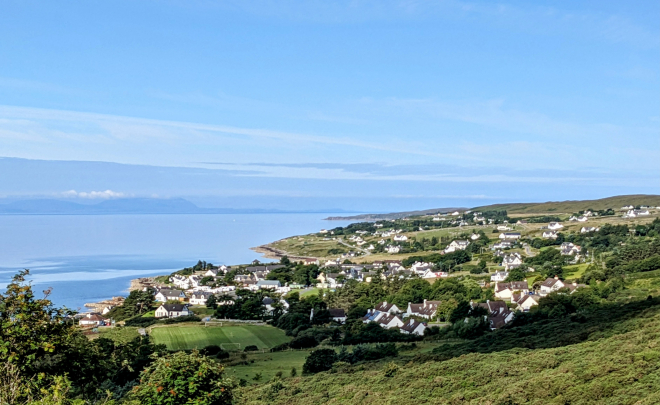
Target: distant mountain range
{"points": [[124, 206]]}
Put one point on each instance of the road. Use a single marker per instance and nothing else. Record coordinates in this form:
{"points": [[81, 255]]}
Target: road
{"points": [[528, 250]]}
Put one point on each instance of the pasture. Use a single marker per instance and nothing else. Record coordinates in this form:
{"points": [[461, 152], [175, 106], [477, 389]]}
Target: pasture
{"points": [[187, 337]]}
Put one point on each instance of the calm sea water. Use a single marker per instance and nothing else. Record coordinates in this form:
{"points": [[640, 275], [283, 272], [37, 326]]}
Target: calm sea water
{"points": [[91, 258]]}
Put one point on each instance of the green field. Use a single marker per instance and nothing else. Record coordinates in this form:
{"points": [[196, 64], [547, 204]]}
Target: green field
{"points": [[186, 337], [268, 364]]}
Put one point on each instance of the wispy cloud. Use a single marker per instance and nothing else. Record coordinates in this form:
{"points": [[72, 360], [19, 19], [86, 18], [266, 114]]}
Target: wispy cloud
{"points": [[103, 195]]}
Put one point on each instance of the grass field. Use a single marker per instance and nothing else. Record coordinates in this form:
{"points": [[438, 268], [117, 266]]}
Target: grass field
{"points": [[186, 337], [268, 364]]}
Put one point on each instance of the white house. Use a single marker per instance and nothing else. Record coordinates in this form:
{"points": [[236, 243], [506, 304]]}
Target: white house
{"points": [[498, 313], [499, 276], [502, 245], [388, 307], [426, 310], [554, 284], [587, 229], [506, 290], [400, 238], [413, 327], [167, 294], [526, 302], [474, 236], [549, 235], [172, 311], [431, 274], [393, 249], [582, 219], [510, 236], [553, 226], [199, 297], [457, 245], [92, 319], [568, 248], [511, 261], [503, 228], [268, 284]]}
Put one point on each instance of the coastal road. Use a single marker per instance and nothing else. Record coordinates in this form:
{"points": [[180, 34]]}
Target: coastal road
{"points": [[528, 250], [365, 251]]}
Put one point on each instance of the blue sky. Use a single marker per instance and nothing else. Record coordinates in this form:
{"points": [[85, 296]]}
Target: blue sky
{"points": [[367, 105]]}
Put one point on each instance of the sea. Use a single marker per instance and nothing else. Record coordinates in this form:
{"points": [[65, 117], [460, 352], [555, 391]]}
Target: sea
{"points": [[89, 258]]}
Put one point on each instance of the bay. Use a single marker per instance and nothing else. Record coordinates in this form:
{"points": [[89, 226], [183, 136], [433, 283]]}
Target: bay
{"points": [[89, 258]]}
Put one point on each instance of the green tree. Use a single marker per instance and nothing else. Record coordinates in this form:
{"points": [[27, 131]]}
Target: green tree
{"points": [[183, 378], [319, 360]]}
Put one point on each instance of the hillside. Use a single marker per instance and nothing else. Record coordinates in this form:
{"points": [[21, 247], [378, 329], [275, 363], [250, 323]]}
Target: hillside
{"points": [[620, 369], [574, 206]]}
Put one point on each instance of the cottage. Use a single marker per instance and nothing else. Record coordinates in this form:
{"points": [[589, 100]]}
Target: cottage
{"points": [[553, 226], [498, 313], [338, 315], [268, 284], [172, 311], [526, 302], [92, 319], [426, 310], [457, 245], [413, 327], [199, 297], [510, 236], [506, 291], [502, 245], [387, 307], [499, 276], [393, 249], [587, 229], [549, 235], [551, 285], [511, 261], [400, 238], [167, 294]]}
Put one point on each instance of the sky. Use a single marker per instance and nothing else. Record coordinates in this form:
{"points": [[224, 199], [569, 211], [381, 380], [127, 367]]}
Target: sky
{"points": [[354, 105]]}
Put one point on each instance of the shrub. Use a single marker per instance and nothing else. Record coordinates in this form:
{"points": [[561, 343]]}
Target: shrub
{"points": [[183, 378], [140, 321], [303, 342], [280, 348], [189, 318], [251, 348], [319, 360]]}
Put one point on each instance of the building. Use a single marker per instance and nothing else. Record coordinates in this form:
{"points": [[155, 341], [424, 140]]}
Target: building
{"points": [[413, 327], [511, 261], [551, 285], [526, 302], [388, 308], [457, 245], [199, 297], [549, 235], [506, 291], [498, 313], [499, 276], [172, 311], [426, 310], [93, 319], [168, 294], [269, 284], [338, 315], [553, 226], [510, 236]]}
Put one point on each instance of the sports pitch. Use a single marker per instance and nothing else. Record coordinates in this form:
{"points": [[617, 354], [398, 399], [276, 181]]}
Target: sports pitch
{"points": [[186, 337]]}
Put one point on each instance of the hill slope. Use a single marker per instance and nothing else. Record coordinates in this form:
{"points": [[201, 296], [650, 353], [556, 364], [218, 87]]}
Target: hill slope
{"points": [[621, 369], [574, 206]]}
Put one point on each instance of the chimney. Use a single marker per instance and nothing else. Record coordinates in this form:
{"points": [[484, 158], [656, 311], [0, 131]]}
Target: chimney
{"points": [[556, 278], [574, 283], [424, 302]]}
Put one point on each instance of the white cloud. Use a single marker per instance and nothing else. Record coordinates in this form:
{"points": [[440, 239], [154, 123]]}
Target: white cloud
{"points": [[102, 195]]}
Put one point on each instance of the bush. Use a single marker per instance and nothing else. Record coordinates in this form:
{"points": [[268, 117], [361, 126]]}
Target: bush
{"points": [[251, 348], [303, 342], [189, 318], [183, 378], [319, 360], [141, 322], [214, 351], [280, 348]]}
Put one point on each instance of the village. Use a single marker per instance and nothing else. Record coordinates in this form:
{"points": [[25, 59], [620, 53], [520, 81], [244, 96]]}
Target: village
{"points": [[513, 284]]}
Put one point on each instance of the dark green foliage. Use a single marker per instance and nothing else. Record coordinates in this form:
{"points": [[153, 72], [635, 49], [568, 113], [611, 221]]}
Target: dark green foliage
{"points": [[179, 319], [372, 333], [251, 348], [319, 360], [516, 274], [137, 303], [542, 219], [184, 379], [141, 321], [365, 352], [535, 330], [247, 305]]}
